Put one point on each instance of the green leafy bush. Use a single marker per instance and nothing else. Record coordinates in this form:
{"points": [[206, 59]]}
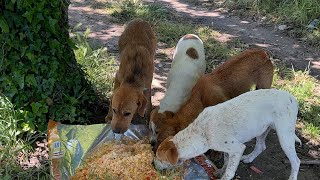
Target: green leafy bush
{"points": [[39, 72]]}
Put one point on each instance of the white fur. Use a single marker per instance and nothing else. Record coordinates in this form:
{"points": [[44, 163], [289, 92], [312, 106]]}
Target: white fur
{"points": [[227, 126], [183, 74]]}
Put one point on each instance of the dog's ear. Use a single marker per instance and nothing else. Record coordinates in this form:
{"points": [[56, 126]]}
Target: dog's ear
{"points": [[167, 151], [142, 104], [172, 155]]}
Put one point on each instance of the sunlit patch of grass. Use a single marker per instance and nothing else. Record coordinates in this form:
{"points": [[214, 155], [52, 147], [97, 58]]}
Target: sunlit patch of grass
{"points": [[303, 86], [297, 14], [126, 10], [170, 33], [216, 52], [311, 130]]}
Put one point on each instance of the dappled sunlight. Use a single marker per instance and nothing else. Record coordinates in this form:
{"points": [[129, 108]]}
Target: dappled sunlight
{"points": [[244, 22], [263, 45], [183, 7], [288, 50], [87, 10], [102, 31], [114, 31], [162, 65], [315, 64], [223, 38]]}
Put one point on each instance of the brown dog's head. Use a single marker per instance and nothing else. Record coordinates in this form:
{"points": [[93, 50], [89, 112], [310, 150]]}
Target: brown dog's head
{"points": [[156, 119], [167, 154], [165, 129], [126, 101]]}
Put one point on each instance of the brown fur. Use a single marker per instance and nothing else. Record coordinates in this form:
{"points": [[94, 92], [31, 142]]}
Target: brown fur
{"points": [[157, 117], [191, 52], [232, 78], [167, 151], [189, 36], [137, 46]]}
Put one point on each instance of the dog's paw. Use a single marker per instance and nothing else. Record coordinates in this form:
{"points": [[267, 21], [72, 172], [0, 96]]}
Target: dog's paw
{"points": [[246, 159]]}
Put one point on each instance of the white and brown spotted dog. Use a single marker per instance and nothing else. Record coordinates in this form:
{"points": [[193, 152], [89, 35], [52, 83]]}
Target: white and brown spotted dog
{"points": [[187, 67], [132, 88], [227, 126]]}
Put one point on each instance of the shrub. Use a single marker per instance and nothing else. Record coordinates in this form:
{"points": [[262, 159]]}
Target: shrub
{"points": [[39, 73]]}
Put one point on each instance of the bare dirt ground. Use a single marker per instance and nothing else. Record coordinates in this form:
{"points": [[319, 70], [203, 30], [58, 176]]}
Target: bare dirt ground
{"points": [[292, 52]]}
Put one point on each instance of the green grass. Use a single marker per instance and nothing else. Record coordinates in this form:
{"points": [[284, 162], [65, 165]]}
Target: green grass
{"points": [[98, 64], [13, 146], [303, 86], [296, 13], [311, 130], [125, 10]]}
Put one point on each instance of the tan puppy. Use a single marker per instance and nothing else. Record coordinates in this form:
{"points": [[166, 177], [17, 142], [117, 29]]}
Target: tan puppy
{"points": [[188, 66], [132, 88], [232, 78]]}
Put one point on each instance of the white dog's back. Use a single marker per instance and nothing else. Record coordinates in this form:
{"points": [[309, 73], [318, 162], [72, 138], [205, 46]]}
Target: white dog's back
{"points": [[246, 116], [250, 114], [187, 67]]}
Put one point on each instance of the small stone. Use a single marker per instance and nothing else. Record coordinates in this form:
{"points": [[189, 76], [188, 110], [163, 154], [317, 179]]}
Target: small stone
{"points": [[282, 27]]}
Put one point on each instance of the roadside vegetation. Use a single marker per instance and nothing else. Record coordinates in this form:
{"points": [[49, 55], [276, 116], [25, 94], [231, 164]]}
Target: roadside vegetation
{"points": [[295, 14]]}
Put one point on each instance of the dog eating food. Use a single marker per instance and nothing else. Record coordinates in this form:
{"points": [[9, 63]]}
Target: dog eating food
{"points": [[227, 126], [132, 87]]}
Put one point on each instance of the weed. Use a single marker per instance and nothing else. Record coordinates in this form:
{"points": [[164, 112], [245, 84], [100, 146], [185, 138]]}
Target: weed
{"points": [[297, 13], [125, 10], [303, 86], [13, 149], [311, 130], [98, 65]]}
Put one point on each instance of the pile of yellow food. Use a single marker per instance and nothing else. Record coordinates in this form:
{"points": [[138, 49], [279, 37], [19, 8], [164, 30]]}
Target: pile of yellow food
{"points": [[111, 160]]}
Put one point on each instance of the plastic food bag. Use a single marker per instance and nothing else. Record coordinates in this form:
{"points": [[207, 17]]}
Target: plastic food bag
{"points": [[70, 144]]}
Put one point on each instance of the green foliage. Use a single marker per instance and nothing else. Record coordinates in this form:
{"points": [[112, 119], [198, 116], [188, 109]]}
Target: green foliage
{"points": [[12, 147], [39, 73], [125, 10], [303, 86], [296, 13], [98, 65]]}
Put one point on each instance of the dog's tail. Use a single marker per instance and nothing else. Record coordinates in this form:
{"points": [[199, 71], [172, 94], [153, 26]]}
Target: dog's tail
{"points": [[297, 140]]}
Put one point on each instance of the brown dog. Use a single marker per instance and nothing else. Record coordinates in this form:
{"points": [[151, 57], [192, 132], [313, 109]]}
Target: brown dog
{"points": [[132, 88], [232, 78]]}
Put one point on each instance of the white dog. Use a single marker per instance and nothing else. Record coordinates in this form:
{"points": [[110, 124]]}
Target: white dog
{"points": [[227, 126], [187, 67]]}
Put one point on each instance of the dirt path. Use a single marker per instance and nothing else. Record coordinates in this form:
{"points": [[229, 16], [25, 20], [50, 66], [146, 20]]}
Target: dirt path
{"points": [[289, 50]]}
